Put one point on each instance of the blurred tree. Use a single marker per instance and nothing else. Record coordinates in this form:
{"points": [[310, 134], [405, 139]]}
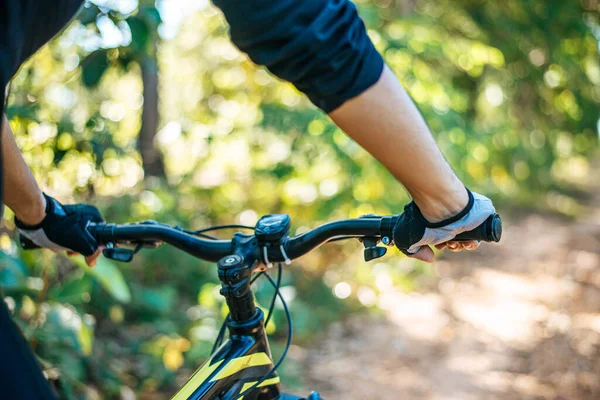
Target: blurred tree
{"points": [[144, 43], [143, 50]]}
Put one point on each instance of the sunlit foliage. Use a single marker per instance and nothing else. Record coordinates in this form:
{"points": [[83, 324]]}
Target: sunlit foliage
{"points": [[510, 89]]}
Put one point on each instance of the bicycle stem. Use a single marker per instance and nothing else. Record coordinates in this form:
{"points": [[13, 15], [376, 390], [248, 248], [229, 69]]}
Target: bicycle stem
{"points": [[235, 275]]}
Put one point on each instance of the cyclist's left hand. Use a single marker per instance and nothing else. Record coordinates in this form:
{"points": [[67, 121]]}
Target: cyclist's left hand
{"points": [[413, 234], [64, 228]]}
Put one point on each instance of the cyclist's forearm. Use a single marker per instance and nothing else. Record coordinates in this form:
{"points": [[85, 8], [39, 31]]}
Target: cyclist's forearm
{"points": [[385, 121], [22, 194]]}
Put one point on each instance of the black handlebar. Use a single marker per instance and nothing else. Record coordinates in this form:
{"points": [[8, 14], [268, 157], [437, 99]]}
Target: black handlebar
{"points": [[489, 231], [305, 242], [213, 250], [210, 250]]}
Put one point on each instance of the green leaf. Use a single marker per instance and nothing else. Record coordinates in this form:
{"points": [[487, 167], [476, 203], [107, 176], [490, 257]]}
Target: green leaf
{"points": [[13, 274], [24, 111], [71, 291], [126, 57], [206, 296], [65, 325], [151, 15], [93, 67], [109, 276], [159, 300], [88, 14], [85, 336], [140, 33]]}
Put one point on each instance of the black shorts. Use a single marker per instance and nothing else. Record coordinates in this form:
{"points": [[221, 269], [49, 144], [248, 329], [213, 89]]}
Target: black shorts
{"points": [[21, 377]]}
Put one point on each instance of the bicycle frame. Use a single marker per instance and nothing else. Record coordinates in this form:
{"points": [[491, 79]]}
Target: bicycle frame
{"points": [[237, 365], [245, 358]]}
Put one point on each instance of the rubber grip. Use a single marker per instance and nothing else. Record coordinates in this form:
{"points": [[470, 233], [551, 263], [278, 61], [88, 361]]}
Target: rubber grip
{"points": [[489, 231], [27, 244], [102, 232], [95, 229]]}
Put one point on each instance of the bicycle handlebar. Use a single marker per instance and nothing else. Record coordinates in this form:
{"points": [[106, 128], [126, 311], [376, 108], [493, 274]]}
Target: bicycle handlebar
{"points": [[210, 250], [294, 247]]}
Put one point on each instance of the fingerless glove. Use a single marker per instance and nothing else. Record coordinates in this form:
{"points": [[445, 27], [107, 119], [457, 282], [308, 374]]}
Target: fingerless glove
{"points": [[412, 230], [63, 227]]}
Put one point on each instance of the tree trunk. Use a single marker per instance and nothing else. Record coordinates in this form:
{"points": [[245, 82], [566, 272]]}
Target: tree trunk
{"points": [[152, 161]]}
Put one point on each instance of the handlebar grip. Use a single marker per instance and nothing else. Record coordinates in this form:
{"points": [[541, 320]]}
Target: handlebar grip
{"points": [[102, 232], [27, 244], [489, 231], [94, 229]]}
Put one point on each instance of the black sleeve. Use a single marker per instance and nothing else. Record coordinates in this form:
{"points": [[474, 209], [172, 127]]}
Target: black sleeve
{"points": [[25, 26], [321, 46]]}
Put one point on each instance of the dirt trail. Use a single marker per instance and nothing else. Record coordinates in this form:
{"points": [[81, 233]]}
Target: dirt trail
{"points": [[520, 320]]}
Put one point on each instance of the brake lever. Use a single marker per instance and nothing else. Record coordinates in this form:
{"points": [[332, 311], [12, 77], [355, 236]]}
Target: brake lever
{"points": [[372, 251], [120, 254]]}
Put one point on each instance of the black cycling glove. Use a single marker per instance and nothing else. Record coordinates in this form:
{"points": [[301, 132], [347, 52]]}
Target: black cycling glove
{"points": [[63, 228], [412, 230]]}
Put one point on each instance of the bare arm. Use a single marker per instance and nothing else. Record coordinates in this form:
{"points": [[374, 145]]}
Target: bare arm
{"points": [[385, 121], [22, 193]]}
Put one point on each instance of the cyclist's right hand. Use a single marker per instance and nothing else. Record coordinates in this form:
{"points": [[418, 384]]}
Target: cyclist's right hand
{"points": [[413, 234], [64, 229]]}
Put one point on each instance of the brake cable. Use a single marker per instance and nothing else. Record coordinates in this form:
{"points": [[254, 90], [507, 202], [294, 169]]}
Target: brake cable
{"points": [[337, 239], [201, 233], [288, 316], [222, 330], [217, 227], [276, 285], [272, 306], [288, 344], [221, 334]]}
